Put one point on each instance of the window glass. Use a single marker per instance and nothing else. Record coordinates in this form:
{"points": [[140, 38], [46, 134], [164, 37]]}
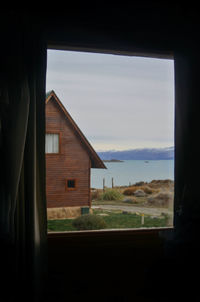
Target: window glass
{"points": [[52, 143], [71, 183]]}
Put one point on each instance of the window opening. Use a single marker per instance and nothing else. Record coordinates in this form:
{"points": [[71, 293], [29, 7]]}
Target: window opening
{"points": [[71, 184], [116, 111], [52, 143]]}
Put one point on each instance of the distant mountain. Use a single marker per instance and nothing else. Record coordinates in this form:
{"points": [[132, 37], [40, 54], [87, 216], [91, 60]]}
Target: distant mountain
{"points": [[139, 154]]}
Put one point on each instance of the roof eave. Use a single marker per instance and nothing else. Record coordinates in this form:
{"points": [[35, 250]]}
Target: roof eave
{"points": [[98, 164], [96, 161]]}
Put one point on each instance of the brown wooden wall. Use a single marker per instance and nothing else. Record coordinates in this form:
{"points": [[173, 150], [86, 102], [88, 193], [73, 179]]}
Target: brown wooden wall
{"points": [[72, 162]]}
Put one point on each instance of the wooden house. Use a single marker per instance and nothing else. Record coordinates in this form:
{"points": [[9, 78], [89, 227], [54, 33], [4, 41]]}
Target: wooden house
{"points": [[69, 158]]}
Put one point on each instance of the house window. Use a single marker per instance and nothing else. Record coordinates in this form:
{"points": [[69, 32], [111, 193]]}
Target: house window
{"points": [[70, 184], [52, 143]]}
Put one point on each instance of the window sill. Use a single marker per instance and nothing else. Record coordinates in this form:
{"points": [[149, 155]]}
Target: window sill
{"points": [[112, 237], [108, 231]]}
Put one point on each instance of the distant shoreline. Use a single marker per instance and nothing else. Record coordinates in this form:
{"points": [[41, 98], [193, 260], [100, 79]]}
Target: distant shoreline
{"points": [[144, 160], [139, 154], [113, 161]]}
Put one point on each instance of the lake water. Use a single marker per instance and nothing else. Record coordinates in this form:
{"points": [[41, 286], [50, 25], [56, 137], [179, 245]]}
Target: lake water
{"points": [[131, 171]]}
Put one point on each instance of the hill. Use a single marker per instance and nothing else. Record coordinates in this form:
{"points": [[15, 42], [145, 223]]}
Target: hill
{"points": [[138, 154]]}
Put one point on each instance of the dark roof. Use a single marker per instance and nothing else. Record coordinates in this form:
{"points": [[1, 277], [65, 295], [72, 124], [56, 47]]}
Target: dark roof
{"points": [[96, 162]]}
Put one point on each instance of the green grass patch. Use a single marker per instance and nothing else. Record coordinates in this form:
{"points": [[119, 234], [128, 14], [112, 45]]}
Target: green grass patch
{"points": [[60, 225], [116, 220], [112, 220]]}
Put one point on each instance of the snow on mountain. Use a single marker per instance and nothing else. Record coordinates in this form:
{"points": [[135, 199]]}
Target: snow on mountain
{"points": [[139, 154]]}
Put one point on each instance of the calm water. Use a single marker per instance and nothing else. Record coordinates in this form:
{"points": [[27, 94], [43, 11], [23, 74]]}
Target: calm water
{"points": [[131, 171]]}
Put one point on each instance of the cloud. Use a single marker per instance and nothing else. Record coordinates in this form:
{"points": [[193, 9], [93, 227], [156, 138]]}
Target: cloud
{"points": [[114, 99]]}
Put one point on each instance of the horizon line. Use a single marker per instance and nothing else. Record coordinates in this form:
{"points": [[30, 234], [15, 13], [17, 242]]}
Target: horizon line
{"points": [[131, 149]]}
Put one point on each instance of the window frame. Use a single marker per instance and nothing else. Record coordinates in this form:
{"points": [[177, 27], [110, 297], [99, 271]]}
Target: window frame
{"points": [[119, 234], [70, 188], [59, 142]]}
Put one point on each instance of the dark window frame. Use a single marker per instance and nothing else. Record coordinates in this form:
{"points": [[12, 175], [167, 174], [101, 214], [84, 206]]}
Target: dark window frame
{"points": [[74, 188]]}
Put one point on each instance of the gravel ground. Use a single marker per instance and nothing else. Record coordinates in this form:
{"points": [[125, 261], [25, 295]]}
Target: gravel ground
{"points": [[135, 209]]}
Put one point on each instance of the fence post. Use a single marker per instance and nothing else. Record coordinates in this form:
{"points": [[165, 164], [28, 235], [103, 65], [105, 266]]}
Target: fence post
{"points": [[103, 184], [112, 182], [142, 219]]}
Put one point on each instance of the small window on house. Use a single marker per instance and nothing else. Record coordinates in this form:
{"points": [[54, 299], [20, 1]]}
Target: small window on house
{"points": [[70, 184], [52, 143]]}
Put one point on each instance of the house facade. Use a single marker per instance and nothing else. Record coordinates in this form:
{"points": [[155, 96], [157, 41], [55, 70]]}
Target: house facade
{"points": [[69, 158]]}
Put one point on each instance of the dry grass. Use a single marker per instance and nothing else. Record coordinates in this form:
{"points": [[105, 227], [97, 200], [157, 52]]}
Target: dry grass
{"points": [[161, 183], [63, 213]]}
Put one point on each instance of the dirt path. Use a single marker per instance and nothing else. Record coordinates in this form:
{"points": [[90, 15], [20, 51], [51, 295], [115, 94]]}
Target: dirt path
{"points": [[134, 209]]}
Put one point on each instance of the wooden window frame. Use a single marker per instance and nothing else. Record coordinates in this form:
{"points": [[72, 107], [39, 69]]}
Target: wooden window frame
{"points": [[73, 188], [59, 142]]}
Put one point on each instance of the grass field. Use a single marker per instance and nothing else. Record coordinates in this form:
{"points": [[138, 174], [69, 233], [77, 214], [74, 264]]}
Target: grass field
{"points": [[113, 220]]}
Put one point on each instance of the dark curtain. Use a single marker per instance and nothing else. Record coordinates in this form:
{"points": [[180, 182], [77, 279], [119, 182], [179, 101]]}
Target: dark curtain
{"points": [[187, 201], [182, 248], [22, 171]]}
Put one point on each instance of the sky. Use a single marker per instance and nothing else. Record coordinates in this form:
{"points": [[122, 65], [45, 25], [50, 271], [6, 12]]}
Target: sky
{"points": [[118, 102]]}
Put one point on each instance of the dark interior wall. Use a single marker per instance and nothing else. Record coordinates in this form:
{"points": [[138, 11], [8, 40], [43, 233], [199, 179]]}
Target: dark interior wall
{"points": [[99, 266], [145, 27], [154, 29]]}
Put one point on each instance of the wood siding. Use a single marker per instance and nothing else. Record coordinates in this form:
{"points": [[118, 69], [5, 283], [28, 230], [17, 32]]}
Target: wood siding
{"points": [[72, 162]]}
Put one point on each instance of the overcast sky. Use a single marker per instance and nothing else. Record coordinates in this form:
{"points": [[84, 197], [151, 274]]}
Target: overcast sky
{"points": [[119, 102]]}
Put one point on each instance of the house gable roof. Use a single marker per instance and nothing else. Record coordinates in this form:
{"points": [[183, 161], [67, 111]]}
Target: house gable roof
{"points": [[96, 162]]}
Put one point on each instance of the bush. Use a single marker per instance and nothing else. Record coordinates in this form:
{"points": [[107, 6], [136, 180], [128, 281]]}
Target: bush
{"points": [[111, 195], [161, 199], [130, 191], [161, 183], [149, 190], [89, 222]]}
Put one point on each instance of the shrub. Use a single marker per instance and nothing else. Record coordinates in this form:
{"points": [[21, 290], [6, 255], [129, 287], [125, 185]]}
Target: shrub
{"points": [[161, 199], [161, 183], [111, 195], [89, 222], [139, 183], [130, 191], [149, 190]]}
